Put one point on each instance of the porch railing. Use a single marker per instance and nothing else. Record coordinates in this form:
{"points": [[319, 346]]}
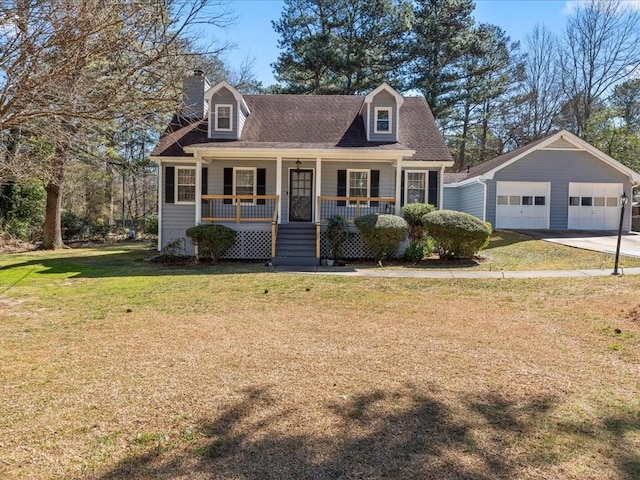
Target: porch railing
{"points": [[239, 208], [353, 207]]}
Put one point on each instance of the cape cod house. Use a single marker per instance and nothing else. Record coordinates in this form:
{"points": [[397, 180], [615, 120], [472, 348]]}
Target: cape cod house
{"points": [[276, 167]]}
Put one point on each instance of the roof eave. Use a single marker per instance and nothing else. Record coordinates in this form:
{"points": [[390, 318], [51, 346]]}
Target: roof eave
{"points": [[338, 153]]}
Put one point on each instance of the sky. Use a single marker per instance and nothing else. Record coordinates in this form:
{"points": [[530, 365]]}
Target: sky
{"points": [[255, 39]]}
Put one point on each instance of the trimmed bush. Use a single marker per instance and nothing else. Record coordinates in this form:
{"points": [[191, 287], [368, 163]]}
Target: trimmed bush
{"points": [[212, 240], [414, 213], [457, 234], [383, 234]]}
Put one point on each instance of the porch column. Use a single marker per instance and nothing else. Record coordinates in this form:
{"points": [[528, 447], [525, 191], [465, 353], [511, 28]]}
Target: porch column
{"points": [[279, 187], [198, 191], [318, 187], [398, 184], [441, 189]]}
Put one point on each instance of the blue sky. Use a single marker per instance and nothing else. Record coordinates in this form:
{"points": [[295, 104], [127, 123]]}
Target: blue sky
{"points": [[254, 37]]}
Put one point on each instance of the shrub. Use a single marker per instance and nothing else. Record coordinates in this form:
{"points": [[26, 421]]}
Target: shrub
{"points": [[337, 234], [22, 209], [382, 233], [174, 250], [414, 253], [212, 240], [457, 234], [151, 225], [414, 213], [73, 226]]}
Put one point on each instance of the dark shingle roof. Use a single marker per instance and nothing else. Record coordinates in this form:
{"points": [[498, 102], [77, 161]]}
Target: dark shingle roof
{"points": [[489, 165], [311, 121]]}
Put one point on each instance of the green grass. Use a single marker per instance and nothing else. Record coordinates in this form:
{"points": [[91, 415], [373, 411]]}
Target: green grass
{"points": [[511, 251], [114, 368], [514, 251]]}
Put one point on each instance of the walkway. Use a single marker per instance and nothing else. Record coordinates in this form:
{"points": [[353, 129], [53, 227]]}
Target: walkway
{"points": [[449, 272], [596, 241], [589, 240]]}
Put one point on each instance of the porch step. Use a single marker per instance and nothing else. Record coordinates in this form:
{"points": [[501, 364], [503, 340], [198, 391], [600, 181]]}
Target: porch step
{"points": [[296, 245]]}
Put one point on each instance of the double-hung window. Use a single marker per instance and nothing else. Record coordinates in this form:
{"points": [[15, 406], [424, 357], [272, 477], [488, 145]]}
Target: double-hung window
{"points": [[245, 183], [383, 120], [358, 183], [416, 187], [223, 118], [185, 185]]}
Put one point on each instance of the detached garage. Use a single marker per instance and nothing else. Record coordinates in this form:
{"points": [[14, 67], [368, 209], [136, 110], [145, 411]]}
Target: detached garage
{"points": [[559, 182]]}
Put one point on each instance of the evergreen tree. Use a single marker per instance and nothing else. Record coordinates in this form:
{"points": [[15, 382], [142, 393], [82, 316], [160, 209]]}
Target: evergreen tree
{"points": [[489, 71], [340, 46], [442, 35]]}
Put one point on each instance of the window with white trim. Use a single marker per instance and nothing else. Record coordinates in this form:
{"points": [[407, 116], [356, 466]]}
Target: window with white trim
{"points": [[223, 115], [185, 184], [245, 182], [358, 184], [415, 185], [383, 120]]}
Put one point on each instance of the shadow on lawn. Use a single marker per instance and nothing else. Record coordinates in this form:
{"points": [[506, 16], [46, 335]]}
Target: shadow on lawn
{"points": [[380, 435], [123, 261]]}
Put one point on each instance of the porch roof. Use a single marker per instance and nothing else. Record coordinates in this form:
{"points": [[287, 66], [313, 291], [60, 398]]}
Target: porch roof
{"points": [[311, 122]]}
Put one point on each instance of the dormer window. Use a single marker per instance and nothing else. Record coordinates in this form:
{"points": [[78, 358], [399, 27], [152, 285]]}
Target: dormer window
{"points": [[223, 118], [383, 120]]}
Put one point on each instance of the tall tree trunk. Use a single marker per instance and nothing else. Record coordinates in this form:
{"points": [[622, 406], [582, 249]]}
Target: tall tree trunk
{"points": [[462, 152], [52, 235], [485, 132]]}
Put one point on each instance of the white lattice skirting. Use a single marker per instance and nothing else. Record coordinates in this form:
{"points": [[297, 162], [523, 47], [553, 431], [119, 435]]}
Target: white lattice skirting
{"points": [[354, 248], [250, 246]]}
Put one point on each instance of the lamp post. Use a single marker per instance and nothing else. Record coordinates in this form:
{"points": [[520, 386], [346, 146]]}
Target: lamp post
{"points": [[623, 202]]}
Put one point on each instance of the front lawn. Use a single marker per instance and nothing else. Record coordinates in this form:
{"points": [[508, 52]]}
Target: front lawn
{"points": [[514, 251], [113, 368]]}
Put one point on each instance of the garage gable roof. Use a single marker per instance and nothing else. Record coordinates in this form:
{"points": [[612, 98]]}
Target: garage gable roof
{"points": [[562, 140]]}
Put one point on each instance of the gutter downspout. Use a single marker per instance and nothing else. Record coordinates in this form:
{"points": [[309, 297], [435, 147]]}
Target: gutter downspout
{"points": [[484, 199], [398, 185], [441, 192]]}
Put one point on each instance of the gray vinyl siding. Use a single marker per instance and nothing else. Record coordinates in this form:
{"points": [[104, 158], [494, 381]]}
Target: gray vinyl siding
{"points": [[560, 168], [472, 200], [224, 97], [386, 100], [176, 219], [451, 198], [330, 176], [216, 173]]}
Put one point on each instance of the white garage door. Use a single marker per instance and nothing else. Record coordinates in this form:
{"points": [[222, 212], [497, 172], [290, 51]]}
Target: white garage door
{"points": [[522, 205], [594, 206]]}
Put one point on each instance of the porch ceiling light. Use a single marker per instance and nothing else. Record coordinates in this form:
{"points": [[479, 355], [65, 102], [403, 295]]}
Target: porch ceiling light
{"points": [[298, 163]]}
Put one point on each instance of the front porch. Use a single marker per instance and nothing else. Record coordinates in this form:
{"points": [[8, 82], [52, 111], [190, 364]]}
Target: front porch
{"points": [[292, 242]]}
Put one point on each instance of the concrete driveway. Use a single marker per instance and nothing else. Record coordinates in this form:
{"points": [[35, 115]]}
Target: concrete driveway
{"points": [[598, 241]]}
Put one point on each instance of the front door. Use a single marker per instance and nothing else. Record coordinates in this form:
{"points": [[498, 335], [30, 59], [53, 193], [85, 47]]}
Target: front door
{"points": [[300, 195]]}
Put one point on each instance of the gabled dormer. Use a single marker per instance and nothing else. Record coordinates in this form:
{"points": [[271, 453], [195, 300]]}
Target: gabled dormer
{"points": [[227, 111], [381, 114]]}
